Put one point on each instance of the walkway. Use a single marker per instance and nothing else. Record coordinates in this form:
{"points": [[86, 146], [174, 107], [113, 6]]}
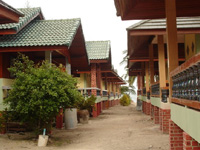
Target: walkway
{"points": [[118, 128]]}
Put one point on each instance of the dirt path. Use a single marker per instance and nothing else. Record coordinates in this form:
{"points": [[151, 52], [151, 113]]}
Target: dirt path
{"points": [[118, 128]]}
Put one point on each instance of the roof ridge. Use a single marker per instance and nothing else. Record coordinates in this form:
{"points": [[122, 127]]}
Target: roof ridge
{"points": [[58, 20], [30, 8]]}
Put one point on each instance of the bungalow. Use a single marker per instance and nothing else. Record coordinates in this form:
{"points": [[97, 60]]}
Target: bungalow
{"points": [[59, 41], [182, 63], [99, 78]]}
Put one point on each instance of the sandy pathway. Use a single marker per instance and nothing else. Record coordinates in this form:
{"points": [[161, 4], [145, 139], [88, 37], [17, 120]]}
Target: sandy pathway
{"points": [[118, 128]]}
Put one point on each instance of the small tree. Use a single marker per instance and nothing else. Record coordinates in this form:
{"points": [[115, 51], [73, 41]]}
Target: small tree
{"points": [[38, 92]]}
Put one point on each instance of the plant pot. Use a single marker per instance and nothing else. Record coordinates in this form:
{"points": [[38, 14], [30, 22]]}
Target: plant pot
{"points": [[70, 118], [83, 116], [42, 141]]}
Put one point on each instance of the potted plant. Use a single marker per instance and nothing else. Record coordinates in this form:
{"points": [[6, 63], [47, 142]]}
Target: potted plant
{"points": [[85, 107]]}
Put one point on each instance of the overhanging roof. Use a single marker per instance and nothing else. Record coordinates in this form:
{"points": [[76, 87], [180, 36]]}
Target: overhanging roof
{"points": [[154, 9], [64, 36], [8, 14], [29, 15], [43, 33], [141, 34]]}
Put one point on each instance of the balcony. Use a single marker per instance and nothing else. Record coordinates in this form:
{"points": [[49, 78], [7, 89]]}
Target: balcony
{"points": [[88, 91], [104, 93], [186, 83], [155, 89]]}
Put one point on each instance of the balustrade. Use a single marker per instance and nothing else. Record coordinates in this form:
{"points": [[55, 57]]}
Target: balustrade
{"points": [[155, 89], [144, 91], [186, 83]]}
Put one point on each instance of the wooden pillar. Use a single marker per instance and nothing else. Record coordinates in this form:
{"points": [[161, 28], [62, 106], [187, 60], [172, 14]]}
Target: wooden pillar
{"points": [[147, 75], [48, 56], [151, 63], [161, 62], [138, 81], [106, 82], [172, 45], [68, 66], [142, 74]]}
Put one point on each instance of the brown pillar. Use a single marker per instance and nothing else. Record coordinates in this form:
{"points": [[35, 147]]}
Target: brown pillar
{"points": [[147, 75], [151, 63], [94, 78], [172, 45], [138, 82], [161, 61], [99, 77], [142, 74], [106, 82]]}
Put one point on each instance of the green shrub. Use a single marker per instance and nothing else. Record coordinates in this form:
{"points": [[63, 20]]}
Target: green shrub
{"points": [[38, 92], [125, 100]]}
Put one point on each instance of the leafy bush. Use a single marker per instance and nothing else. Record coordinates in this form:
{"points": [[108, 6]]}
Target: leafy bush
{"points": [[38, 92], [125, 100]]}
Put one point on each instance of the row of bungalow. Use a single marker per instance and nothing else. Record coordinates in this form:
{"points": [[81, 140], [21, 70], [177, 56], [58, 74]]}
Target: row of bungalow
{"points": [[60, 42], [163, 52]]}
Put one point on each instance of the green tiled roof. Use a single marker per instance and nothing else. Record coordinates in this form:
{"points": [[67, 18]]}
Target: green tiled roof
{"points": [[43, 33], [2, 3], [182, 23], [29, 14], [98, 49]]}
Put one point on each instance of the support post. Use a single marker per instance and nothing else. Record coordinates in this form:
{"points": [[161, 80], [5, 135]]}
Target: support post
{"points": [[48, 56], [147, 75], [161, 61], [151, 63], [68, 66], [94, 85], [172, 45]]}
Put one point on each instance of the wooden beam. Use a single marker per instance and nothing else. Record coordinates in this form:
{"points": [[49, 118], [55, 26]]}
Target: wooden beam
{"points": [[147, 32], [151, 63], [99, 61], [161, 31], [79, 72], [147, 60], [6, 32], [63, 50], [161, 63], [110, 77], [172, 45]]}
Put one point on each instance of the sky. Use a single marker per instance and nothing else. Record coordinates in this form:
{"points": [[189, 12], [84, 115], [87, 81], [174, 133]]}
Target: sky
{"points": [[98, 18]]}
